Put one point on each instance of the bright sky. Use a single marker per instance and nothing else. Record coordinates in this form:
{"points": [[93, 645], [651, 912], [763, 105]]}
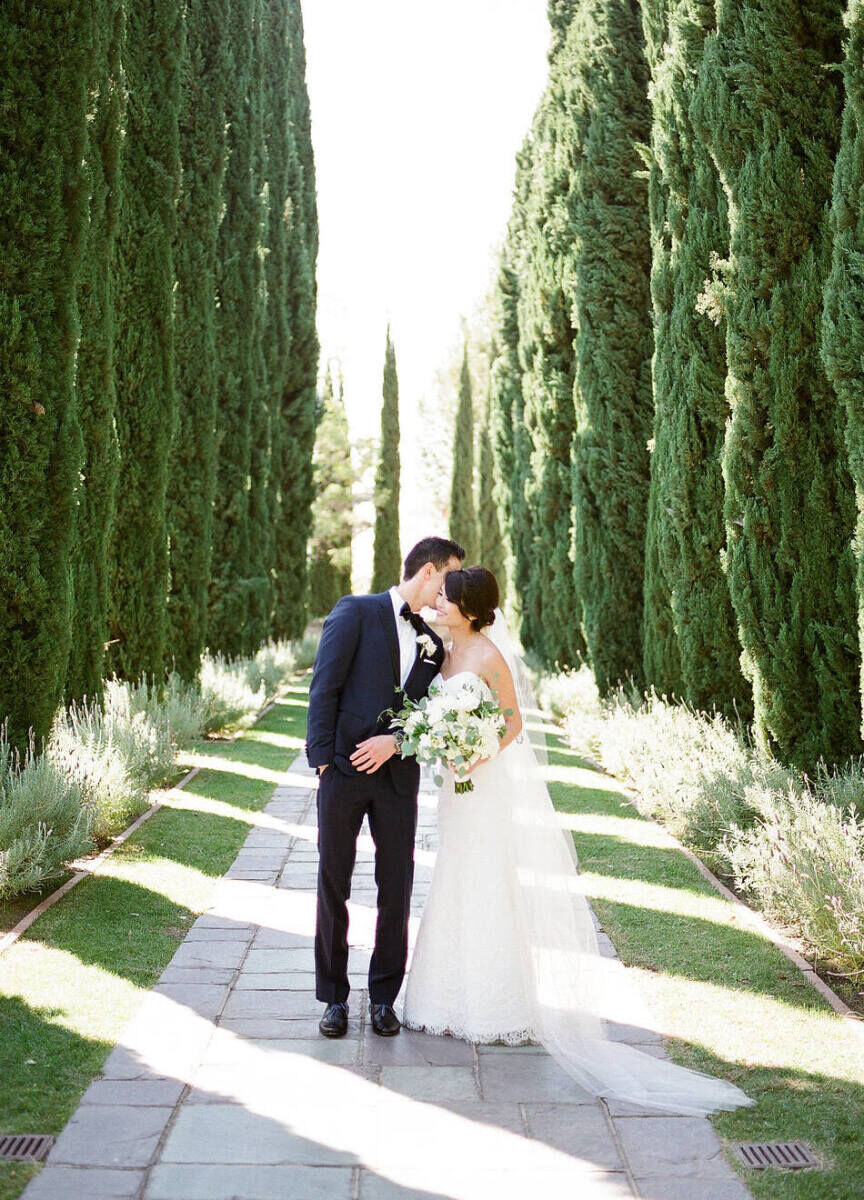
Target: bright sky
{"points": [[417, 113]]}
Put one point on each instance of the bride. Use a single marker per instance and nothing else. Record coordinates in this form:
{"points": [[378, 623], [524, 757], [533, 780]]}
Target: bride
{"points": [[507, 950]]}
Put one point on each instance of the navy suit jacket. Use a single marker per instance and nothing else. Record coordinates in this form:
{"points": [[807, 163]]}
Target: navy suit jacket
{"points": [[356, 679]]}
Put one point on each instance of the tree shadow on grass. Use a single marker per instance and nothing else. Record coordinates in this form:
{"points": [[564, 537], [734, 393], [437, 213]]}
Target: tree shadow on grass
{"points": [[614, 855], [44, 1067], [254, 752], [561, 755], [207, 842], [704, 951], [590, 800], [126, 929], [232, 788]]}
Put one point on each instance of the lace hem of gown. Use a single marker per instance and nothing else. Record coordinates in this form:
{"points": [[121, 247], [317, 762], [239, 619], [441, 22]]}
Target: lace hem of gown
{"points": [[513, 1037]]}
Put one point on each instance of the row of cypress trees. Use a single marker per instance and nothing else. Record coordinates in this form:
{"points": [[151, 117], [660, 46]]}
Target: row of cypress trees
{"points": [[158, 354], [677, 407]]}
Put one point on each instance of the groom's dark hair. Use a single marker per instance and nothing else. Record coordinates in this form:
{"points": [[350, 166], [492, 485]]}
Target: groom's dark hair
{"points": [[436, 550]]}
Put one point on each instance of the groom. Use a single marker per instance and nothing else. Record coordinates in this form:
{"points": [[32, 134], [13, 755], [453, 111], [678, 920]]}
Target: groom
{"points": [[374, 650]]}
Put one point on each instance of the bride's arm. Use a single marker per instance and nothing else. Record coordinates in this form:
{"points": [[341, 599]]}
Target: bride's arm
{"points": [[498, 676]]}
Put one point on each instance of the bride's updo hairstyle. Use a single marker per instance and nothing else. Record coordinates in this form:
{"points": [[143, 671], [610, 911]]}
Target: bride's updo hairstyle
{"points": [[474, 591]]}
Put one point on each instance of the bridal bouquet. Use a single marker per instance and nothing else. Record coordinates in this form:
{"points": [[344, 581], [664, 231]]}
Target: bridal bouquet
{"points": [[453, 729]]}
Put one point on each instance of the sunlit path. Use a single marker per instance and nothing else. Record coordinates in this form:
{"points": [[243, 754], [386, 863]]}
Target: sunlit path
{"points": [[221, 1086]]}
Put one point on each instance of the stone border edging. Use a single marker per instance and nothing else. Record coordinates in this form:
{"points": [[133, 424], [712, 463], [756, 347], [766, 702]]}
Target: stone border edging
{"points": [[84, 872]]}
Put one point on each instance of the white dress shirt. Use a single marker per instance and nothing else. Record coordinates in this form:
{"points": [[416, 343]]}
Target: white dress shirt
{"points": [[407, 638]]}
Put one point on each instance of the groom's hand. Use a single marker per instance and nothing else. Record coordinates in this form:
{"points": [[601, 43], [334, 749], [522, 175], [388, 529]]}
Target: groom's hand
{"points": [[373, 753]]}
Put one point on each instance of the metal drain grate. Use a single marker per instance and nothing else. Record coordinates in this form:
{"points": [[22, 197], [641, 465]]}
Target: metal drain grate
{"points": [[25, 1147], [788, 1156]]}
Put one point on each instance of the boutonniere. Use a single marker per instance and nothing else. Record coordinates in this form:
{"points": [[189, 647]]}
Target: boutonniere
{"points": [[427, 644]]}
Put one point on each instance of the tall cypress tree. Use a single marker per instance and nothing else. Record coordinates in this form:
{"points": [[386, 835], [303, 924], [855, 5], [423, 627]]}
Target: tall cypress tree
{"points": [[661, 655], [387, 555], [332, 526], [504, 385], [282, 170], [605, 80], [236, 282], [511, 438], [95, 390], [691, 640], [463, 518], [259, 397], [489, 539], [770, 112], [46, 59], [299, 381], [843, 325], [146, 398], [550, 608], [192, 478]]}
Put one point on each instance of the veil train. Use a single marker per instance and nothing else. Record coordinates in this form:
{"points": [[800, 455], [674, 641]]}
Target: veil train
{"points": [[571, 984]]}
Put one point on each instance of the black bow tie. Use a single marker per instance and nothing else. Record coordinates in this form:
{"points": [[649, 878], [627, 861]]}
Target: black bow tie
{"points": [[415, 618]]}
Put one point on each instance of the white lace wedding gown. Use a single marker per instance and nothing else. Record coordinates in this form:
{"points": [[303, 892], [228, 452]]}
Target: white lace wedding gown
{"points": [[507, 950]]}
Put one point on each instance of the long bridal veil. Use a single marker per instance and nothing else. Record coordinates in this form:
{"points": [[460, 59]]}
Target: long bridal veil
{"points": [[571, 984]]}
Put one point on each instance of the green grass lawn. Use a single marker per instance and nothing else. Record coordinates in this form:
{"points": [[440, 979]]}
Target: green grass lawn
{"points": [[731, 1002], [72, 981]]}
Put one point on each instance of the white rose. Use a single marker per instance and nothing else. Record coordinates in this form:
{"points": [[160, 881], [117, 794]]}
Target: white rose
{"points": [[465, 699]]}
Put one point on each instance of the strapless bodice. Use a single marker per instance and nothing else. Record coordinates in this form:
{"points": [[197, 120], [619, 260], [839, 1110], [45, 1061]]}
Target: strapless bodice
{"points": [[453, 683]]}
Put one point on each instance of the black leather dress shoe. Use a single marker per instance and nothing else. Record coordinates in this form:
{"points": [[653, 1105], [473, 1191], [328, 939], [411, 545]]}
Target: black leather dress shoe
{"points": [[384, 1020], [334, 1023]]}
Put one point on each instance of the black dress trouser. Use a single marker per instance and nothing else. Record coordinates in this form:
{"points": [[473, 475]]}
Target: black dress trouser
{"points": [[343, 801]]}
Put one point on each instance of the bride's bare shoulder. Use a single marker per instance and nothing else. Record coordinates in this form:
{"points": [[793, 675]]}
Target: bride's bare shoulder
{"points": [[492, 661]]}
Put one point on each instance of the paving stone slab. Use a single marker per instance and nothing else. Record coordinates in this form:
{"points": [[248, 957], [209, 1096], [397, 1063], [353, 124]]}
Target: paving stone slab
{"points": [[433, 1183], [672, 1146], [213, 921], [431, 1083], [527, 1078], [339, 1051], [128, 1139], [663, 1188], [268, 839], [205, 934], [261, 854], [267, 1083], [205, 999], [463, 1133], [220, 976], [125, 1063], [79, 1183], [273, 1004], [278, 960], [580, 1130], [273, 1027], [411, 1048], [268, 938], [209, 954], [286, 981], [229, 1133], [251, 875], [198, 1182], [145, 1092]]}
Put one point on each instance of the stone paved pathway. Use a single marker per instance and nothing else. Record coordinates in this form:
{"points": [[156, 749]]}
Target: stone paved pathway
{"points": [[222, 1089]]}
